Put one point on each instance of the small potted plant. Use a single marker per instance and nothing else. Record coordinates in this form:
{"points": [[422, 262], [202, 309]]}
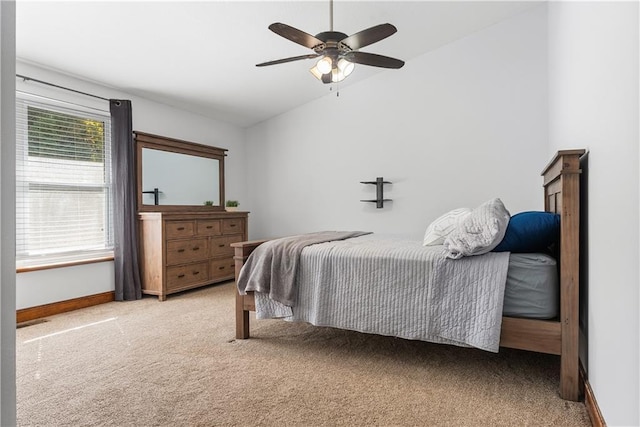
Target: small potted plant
{"points": [[208, 203], [232, 205]]}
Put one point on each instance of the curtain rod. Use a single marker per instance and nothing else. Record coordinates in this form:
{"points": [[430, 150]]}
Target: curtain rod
{"points": [[25, 78]]}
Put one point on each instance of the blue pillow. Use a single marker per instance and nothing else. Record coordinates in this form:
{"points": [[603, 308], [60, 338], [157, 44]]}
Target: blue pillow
{"points": [[530, 232]]}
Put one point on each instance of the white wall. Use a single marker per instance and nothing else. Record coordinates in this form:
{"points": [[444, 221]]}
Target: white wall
{"points": [[43, 287], [593, 103], [454, 127]]}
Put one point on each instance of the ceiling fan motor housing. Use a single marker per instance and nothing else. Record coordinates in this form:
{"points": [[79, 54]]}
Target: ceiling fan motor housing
{"points": [[331, 41]]}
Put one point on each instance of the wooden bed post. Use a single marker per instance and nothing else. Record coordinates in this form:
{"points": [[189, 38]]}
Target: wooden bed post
{"points": [[244, 303], [242, 318], [562, 195]]}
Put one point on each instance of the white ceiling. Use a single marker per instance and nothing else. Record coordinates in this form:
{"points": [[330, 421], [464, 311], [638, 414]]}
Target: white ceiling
{"points": [[201, 56]]}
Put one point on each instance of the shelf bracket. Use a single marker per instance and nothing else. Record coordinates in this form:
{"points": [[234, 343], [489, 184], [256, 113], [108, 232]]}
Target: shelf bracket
{"points": [[379, 200]]}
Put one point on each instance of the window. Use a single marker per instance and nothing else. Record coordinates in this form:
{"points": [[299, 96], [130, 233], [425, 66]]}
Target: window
{"points": [[63, 182]]}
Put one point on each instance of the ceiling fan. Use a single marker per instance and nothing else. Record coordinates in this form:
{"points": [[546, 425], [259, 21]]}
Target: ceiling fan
{"points": [[337, 52]]}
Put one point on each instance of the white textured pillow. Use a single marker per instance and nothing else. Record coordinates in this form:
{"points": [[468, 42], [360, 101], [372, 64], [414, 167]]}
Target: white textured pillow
{"points": [[479, 232], [439, 229]]}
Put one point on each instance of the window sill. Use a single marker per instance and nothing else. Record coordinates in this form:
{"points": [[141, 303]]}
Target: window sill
{"points": [[63, 264]]}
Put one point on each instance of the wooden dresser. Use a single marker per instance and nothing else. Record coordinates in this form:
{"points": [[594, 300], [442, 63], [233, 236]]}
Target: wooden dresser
{"points": [[185, 250]]}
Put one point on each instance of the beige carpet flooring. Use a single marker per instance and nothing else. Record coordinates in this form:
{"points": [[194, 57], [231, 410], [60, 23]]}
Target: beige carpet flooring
{"points": [[176, 363]]}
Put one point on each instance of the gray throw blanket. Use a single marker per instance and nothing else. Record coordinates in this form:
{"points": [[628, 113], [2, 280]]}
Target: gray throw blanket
{"points": [[271, 268]]}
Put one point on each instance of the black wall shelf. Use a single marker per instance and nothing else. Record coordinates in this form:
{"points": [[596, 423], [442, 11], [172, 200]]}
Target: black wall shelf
{"points": [[379, 200]]}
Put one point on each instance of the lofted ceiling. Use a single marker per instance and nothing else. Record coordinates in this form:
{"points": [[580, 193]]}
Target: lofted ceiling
{"points": [[201, 56]]}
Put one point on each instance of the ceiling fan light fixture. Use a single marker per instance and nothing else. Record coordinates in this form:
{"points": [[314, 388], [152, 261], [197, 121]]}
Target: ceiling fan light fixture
{"points": [[337, 75], [316, 73], [345, 67], [324, 65]]}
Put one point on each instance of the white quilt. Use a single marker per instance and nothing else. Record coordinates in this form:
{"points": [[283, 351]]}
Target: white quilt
{"points": [[389, 286]]}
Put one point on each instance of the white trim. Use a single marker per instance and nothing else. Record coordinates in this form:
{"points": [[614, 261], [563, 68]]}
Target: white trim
{"points": [[63, 259]]}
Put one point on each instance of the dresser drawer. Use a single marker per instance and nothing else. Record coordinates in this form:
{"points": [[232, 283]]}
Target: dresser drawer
{"points": [[233, 226], [185, 275], [220, 246], [181, 251], [208, 227], [176, 229], [220, 268]]}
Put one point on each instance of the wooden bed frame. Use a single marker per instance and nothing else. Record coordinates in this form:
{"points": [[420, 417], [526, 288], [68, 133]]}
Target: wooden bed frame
{"points": [[561, 180]]}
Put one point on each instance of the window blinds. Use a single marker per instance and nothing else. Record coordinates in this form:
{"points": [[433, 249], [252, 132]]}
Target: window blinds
{"points": [[63, 182]]}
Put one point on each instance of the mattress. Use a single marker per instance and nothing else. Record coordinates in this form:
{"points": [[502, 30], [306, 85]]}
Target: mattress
{"points": [[532, 288]]}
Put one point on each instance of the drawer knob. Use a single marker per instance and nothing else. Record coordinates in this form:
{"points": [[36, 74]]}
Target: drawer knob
{"points": [[232, 225], [196, 248], [221, 267], [180, 228], [196, 272], [209, 226], [180, 276], [221, 246], [180, 250]]}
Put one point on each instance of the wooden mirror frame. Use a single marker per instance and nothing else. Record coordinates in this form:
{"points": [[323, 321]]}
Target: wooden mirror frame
{"points": [[147, 140]]}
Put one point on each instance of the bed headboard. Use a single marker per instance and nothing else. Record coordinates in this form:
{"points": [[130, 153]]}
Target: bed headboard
{"points": [[562, 181], [562, 195]]}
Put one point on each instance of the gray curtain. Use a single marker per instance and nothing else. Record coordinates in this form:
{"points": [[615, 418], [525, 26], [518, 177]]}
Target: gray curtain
{"points": [[125, 222]]}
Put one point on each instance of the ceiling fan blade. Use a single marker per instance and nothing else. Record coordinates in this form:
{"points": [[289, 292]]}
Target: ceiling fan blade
{"points": [[293, 58], [295, 35], [369, 36], [373, 59]]}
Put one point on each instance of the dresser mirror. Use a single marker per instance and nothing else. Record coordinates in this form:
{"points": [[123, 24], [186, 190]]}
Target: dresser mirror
{"points": [[176, 175]]}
